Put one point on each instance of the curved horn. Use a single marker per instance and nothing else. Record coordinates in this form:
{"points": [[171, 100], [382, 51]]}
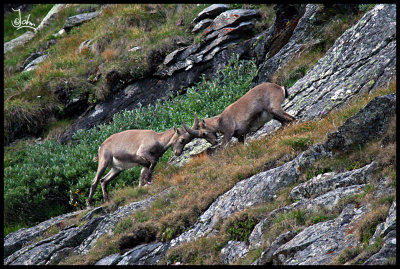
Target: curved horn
{"points": [[190, 131], [196, 122]]}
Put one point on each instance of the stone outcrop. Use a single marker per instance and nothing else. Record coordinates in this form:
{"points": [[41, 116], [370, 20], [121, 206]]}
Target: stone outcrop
{"points": [[33, 65], [378, 119], [210, 12], [226, 29], [20, 247], [51, 15], [79, 19]]}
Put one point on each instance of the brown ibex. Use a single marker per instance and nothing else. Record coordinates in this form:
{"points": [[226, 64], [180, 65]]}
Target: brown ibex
{"points": [[129, 148], [258, 106]]}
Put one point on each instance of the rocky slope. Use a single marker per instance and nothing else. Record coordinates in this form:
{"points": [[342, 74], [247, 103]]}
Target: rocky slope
{"points": [[361, 60]]}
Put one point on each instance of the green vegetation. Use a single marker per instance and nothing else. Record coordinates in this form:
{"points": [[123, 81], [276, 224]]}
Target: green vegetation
{"points": [[36, 14], [240, 228], [34, 181]]}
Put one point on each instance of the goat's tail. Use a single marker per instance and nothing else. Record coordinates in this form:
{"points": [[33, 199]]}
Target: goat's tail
{"points": [[286, 92]]}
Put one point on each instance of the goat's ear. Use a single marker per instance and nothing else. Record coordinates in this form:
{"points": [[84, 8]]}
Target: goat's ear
{"points": [[203, 123], [177, 131]]}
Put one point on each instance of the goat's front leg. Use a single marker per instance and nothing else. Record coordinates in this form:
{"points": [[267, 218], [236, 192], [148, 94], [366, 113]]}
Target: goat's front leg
{"points": [[146, 173], [282, 116]]}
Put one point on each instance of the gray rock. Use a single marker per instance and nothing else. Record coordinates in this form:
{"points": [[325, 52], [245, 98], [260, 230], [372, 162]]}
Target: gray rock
{"points": [[231, 17], [373, 120], [145, 254], [110, 260], [188, 51], [14, 241], [243, 28], [232, 251], [210, 12], [329, 181], [385, 227], [321, 242], [19, 41], [72, 239], [30, 58], [33, 65], [328, 201], [301, 35], [201, 25], [170, 58], [387, 254], [247, 193], [43, 251], [107, 225], [79, 19], [51, 16], [266, 255], [195, 147]]}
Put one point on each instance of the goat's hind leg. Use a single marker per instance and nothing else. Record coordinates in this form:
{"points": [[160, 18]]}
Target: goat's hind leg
{"points": [[103, 164]]}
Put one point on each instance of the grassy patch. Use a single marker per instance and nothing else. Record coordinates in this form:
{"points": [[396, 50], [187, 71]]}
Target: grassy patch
{"points": [[202, 251]]}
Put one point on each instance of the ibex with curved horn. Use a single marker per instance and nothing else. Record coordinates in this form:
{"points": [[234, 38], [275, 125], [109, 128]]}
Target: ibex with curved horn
{"points": [[258, 106], [129, 148]]}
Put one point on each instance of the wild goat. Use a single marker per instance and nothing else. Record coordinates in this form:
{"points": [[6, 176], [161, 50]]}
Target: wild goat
{"points": [[258, 106], [129, 148]]}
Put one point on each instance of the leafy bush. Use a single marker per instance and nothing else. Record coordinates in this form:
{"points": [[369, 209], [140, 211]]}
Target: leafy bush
{"points": [[241, 230], [41, 175]]}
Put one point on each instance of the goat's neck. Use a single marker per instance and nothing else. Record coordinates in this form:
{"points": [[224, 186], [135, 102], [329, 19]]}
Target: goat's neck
{"points": [[167, 138], [212, 122]]}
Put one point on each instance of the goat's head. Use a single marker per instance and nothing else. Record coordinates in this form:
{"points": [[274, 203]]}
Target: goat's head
{"points": [[182, 137], [202, 130]]}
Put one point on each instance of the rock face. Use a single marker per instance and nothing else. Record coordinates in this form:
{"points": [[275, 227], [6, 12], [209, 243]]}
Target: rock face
{"points": [[210, 12], [361, 60], [20, 248]]}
